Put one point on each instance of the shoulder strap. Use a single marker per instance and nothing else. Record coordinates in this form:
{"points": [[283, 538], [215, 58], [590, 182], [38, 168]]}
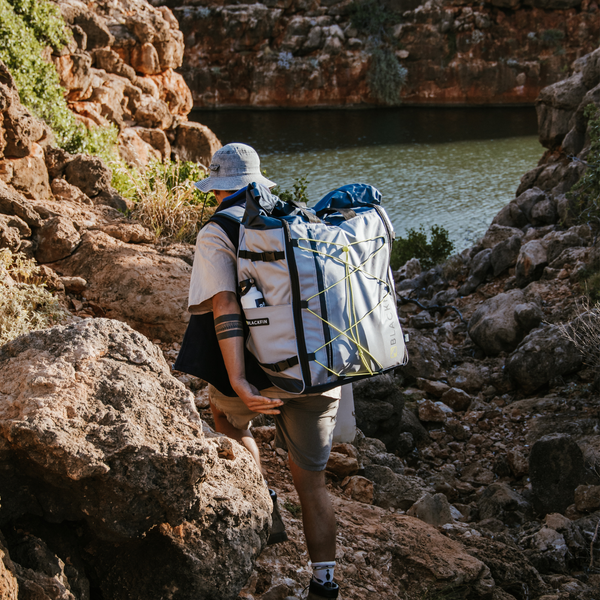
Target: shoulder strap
{"points": [[229, 220]]}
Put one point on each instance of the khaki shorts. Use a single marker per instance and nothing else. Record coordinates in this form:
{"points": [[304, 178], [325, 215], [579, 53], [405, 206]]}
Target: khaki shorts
{"points": [[304, 426]]}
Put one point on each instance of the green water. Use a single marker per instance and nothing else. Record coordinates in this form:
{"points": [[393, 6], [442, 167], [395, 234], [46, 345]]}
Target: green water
{"points": [[450, 167]]}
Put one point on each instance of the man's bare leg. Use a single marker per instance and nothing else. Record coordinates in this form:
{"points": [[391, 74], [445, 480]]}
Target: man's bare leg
{"points": [[243, 436], [318, 516]]}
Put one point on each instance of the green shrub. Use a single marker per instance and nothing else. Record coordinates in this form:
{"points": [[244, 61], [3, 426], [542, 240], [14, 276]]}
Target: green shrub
{"points": [[584, 196], [386, 76], [299, 191], [371, 17], [416, 245], [26, 29], [27, 305]]}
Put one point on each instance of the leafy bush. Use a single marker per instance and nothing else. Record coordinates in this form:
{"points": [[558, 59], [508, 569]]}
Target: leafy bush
{"points": [[371, 16], [27, 27], [27, 305], [584, 196], [386, 76], [165, 198], [299, 191], [416, 245]]}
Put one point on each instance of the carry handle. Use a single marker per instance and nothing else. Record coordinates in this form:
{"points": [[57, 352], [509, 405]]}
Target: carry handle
{"points": [[347, 213]]}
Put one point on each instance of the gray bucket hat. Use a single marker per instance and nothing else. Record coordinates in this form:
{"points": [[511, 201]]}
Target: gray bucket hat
{"points": [[233, 167]]}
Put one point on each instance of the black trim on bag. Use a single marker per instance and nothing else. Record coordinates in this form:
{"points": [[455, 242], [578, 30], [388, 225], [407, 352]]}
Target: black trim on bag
{"points": [[261, 256], [282, 365], [296, 307]]}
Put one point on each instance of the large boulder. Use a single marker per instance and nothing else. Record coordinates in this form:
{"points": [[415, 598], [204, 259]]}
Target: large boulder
{"points": [[545, 354], [195, 142], [496, 325], [96, 437], [556, 469], [378, 405], [135, 284]]}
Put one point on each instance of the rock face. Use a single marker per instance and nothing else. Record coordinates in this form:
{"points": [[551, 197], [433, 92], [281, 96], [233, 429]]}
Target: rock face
{"points": [[296, 54], [120, 69], [96, 434]]}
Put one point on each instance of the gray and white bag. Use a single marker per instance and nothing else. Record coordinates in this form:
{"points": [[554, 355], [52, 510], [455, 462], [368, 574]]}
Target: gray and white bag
{"points": [[329, 311]]}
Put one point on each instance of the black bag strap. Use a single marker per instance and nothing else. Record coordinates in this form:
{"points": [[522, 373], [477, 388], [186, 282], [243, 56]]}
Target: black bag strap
{"points": [[261, 256], [347, 213], [282, 365], [310, 216]]}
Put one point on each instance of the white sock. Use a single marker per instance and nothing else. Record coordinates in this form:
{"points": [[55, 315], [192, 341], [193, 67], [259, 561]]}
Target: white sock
{"points": [[323, 571]]}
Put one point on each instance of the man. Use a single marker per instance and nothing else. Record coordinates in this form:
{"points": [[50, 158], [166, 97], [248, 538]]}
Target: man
{"points": [[304, 423]]}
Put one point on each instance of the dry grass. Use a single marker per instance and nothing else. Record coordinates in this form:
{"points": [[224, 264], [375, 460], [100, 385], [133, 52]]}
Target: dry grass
{"points": [[584, 332], [165, 198], [25, 304]]}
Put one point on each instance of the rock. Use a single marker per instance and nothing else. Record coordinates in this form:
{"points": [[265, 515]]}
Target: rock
{"points": [[494, 326], [457, 399], [134, 150], [405, 443], [505, 254], [30, 176], [378, 404], [63, 190], [195, 142], [8, 580], [556, 469], [11, 230], [434, 510], [360, 489], [126, 280], [56, 239], [435, 388], [130, 233], [549, 549], [89, 174], [558, 241], [587, 498], [433, 412], [508, 565], [112, 441], [373, 452], [409, 270], [393, 490], [157, 139], [480, 268], [531, 262], [424, 358], [74, 285], [410, 424], [497, 234], [469, 377], [343, 461], [556, 105], [12, 203], [542, 356], [499, 501], [456, 429], [518, 461]]}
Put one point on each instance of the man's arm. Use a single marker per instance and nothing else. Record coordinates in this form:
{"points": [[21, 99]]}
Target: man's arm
{"points": [[230, 333]]}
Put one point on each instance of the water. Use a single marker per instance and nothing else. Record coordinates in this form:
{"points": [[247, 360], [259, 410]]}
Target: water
{"points": [[451, 167]]}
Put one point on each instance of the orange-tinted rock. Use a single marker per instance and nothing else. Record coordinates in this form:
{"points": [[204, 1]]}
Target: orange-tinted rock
{"points": [[195, 142], [173, 89], [134, 150], [144, 59], [57, 239], [360, 489], [30, 175]]}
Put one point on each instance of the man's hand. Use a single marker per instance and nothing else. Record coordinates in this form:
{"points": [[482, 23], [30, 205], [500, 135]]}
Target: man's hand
{"points": [[229, 330], [253, 400]]}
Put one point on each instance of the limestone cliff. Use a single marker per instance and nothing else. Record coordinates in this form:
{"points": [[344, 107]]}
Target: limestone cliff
{"points": [[295, 53]]}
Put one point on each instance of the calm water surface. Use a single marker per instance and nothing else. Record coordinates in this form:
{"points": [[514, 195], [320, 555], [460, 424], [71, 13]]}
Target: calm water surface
{"points": [[450, 167]]}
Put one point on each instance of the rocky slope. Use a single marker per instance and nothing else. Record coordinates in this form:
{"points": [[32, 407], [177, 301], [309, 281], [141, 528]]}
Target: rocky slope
{"points": [[120, 69], [478, 477], [298, 53]]}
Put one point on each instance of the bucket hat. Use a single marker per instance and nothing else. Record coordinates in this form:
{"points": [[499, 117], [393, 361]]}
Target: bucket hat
{"points": [[233, 167]]}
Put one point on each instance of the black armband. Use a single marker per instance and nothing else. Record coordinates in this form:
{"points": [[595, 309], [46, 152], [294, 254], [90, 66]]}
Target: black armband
{"points": [[227, 326]]}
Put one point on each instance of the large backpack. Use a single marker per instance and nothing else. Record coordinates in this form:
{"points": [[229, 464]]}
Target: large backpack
{"points": [[330, 315]]}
